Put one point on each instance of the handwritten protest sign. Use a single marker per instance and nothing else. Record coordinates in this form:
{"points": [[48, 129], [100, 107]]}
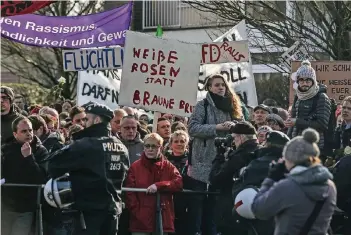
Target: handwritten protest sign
{"points": [[238, 75], [92, 59], [159, 74], [336, 75], [98, 88], [224, 52], [94, 30]]}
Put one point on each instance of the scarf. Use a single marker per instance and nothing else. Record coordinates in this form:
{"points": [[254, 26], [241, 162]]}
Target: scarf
{"points": [[306, 95], [223, 103]]}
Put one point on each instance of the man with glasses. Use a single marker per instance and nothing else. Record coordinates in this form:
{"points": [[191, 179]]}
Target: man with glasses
{"points": [[130, 137], [312, 106], [8, 113]]}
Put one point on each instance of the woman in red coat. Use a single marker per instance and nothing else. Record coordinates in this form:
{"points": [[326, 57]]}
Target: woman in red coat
{"points": [[153, 172]]}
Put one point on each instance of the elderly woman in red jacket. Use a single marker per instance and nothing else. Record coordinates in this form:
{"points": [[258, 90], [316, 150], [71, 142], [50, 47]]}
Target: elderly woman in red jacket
{"points": [[155, 173]]}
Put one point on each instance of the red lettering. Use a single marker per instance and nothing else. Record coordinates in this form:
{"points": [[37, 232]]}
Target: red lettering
{"points": [[158, 80], [144, 68], [171, 103], [145, 54], [171, 80], [224, 45], [160, 55], [185, 106], [204, 53], [146, 98], [213, 49], [154, 69], [241, 56], [173, 72], [171, 56], [155, 100], [181, 104], [162, 70], [136, 53], [134, 67]]}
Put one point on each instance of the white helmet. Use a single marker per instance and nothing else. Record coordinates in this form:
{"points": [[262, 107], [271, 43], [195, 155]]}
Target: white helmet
{"points": [[243, 202], [58, 192]]}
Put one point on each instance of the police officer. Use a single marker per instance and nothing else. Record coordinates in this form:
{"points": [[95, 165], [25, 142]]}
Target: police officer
{"points": [[97, 164]]}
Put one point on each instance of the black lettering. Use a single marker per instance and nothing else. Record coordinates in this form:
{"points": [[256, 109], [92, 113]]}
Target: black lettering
{"points": [[93, 90], [23, 5], [115, 96], [87, 93], [101, 93]]}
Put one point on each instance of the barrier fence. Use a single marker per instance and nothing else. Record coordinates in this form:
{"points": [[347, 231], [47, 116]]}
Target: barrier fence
{"points": [[159, 225]]}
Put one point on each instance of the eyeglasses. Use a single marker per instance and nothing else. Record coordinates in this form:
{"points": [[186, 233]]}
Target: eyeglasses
{"points": [[305, 80], [151, 146]]}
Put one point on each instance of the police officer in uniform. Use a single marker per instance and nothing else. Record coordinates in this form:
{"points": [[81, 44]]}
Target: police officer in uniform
{"points": [[97, 163]]}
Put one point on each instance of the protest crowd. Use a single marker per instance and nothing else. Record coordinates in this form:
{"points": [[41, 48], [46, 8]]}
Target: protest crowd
{"points": [[291, 176], [146, 156]]}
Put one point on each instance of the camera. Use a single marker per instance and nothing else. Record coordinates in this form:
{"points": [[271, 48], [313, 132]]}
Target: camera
{"points": [[224, 142]]}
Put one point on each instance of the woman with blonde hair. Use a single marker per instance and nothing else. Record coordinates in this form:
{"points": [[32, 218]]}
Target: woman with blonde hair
{"points": [[155, 173], [298, 191], [212, 117]]}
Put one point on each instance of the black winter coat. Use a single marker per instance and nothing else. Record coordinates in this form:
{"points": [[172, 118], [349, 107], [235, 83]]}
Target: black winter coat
{"points": [[6, 124], [97, 163], [17, 169], [342, 180]]}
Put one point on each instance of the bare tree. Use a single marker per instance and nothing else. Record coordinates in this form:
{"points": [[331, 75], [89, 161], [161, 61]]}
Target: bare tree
{"points": [[44, 66], [322, 26]]}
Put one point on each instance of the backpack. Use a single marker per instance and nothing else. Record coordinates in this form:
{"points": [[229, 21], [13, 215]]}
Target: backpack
{"points": [[329, 133]]}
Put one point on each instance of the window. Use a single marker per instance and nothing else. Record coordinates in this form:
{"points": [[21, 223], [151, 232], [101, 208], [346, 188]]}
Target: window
{"points": [[260, 10]]}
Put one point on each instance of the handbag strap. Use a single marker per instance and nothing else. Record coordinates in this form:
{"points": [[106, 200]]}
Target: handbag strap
{"points": [[312, 218]]}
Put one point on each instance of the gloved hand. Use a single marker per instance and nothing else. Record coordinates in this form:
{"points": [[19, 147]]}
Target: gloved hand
{"points": [[277, 171]]}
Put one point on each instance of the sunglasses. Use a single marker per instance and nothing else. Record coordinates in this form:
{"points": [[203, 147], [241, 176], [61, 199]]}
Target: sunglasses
{"points": [[151, 146]]}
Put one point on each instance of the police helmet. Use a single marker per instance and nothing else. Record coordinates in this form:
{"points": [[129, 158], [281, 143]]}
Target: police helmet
{"points": [[58, 192], [243, 202]]}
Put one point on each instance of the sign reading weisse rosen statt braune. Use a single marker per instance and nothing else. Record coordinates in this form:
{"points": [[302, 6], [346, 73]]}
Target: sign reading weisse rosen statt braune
{"points": [[336, 75], [159, 74]]}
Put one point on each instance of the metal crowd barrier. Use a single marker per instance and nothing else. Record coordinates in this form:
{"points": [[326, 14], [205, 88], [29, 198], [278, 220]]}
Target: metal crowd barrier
{"points": [[159, 225]]}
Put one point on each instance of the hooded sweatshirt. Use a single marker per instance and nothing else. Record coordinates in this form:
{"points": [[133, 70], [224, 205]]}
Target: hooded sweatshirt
{"points": [[293, 199]]}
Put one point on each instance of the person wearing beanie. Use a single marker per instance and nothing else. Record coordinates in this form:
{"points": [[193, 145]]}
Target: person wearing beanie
{"points": [[275, 121], [257, 169], [8, 113], [311, 107], [227, 166], [298, 191], [97, 163], [260, 114], [261, 133]]}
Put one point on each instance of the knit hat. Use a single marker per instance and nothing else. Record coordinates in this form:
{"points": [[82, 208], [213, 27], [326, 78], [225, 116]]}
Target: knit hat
{"points": [[306, 71], [243, 128], [277, 138], [8, 91], [301, 148], [275, 117]]}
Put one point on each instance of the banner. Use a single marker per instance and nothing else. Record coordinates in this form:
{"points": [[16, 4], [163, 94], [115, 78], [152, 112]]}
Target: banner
{"points": [[11, 8], [92, 59], [95, 30], [98, 88], [238, 75], [336, 75], [224, 52], [159, 74]]}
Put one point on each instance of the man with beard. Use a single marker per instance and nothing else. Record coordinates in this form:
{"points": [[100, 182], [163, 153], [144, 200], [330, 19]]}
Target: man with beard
{"points": [[260, 114], [309, 94], [8, 112], [19, 165]]}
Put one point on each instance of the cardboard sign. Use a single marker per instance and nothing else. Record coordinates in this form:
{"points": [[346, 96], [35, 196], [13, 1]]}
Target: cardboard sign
{"points": [[239, 75], [98, 88], [224, 52], [159, 74], [92, 59], [336, 75]]}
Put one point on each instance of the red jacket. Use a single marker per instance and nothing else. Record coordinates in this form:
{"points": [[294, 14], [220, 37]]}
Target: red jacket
{"points": [[142, 174]]}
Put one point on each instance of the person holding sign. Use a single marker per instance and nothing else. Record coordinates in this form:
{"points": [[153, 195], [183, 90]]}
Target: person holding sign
{"points": [[212, 117]]}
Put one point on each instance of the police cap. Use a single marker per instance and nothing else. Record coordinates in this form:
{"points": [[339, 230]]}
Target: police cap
{"points": [[99, 109]]}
